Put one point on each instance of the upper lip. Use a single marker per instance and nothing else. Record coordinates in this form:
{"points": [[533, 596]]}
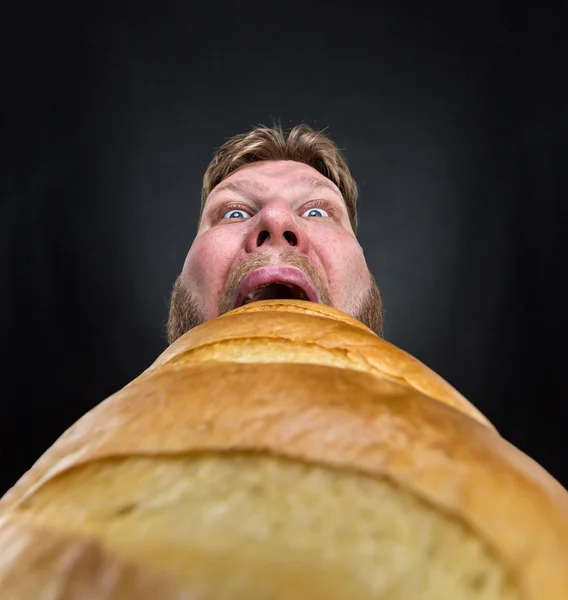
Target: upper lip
{"points": [[266, 275]]}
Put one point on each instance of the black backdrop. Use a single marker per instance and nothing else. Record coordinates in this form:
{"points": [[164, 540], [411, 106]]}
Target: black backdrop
{"points": [[455, 125]]}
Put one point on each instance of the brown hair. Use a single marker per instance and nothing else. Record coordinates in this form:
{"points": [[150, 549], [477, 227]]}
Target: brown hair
{"points": [[301, 144]]}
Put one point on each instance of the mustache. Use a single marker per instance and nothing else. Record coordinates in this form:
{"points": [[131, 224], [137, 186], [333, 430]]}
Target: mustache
{"points": [[288, 258]]}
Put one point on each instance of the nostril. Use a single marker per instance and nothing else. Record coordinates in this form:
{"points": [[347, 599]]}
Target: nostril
{"points": [[262, 237], [290, 237]]}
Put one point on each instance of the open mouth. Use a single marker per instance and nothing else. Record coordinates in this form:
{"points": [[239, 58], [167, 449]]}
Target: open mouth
{"points": [[275, 291], [275, 283]]}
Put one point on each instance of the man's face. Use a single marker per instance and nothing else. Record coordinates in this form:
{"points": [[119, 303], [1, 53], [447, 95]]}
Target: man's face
{"points": [[271, 222]]}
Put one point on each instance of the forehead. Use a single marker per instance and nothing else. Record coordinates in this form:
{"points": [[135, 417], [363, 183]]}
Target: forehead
{"points": [[269, 175]]}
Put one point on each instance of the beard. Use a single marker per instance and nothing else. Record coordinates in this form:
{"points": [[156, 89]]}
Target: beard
{"points": [[186, 312]]}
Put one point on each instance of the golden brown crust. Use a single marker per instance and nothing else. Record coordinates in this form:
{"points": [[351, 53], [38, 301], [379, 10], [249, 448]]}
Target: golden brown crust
{"points": [[305, 325], [302, 307], [38, 561], [345, 419], [249, 525]]}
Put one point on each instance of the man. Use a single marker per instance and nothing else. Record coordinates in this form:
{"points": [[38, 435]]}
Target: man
{"points": [[278, 220]]}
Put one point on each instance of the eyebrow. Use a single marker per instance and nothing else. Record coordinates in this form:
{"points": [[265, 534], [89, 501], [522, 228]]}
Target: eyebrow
{"points": [[244, 186]]}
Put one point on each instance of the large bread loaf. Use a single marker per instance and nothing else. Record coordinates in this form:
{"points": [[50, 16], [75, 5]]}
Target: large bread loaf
{"points": [[284, 451]]}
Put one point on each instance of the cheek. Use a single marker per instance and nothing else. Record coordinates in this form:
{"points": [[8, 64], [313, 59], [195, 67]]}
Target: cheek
{"points": [[346, 267], [208, 261]]}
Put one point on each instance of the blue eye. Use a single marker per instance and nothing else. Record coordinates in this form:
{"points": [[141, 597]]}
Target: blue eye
{"points": [[236, 214], [314, 212]]}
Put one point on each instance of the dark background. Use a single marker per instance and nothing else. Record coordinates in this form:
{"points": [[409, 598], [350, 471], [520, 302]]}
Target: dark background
{"points": [[454, 122]]}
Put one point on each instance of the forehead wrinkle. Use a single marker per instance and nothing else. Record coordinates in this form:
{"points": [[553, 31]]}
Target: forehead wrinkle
{"points": [[255, 189], [242, 186], [319, 182]]}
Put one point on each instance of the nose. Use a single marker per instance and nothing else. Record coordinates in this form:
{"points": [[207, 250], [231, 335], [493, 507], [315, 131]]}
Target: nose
{"points": [[277, 226]]}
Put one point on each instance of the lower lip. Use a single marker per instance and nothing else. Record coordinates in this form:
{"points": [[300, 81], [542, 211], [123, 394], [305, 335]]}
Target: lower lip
{"points": [[286, 274]]}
